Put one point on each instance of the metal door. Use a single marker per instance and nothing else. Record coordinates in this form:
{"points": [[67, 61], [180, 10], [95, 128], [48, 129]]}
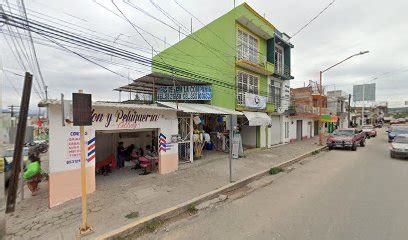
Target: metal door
{"points": [[299, 130]]}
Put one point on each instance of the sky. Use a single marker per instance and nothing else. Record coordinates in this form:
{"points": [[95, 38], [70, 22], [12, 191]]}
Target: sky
{"points": [[346, 28]]}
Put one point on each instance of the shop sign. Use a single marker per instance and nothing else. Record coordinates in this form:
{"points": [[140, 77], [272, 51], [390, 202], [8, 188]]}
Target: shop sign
{"points": [[255, 101], [197, 92], [82, 106], [123, 118]]}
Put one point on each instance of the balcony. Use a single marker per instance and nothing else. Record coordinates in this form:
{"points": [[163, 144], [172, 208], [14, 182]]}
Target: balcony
{"points": [[283, 71], [252, 60]]}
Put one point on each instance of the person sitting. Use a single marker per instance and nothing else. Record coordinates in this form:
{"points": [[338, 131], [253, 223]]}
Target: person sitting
{"points": [[129, 151], [120, 155], [33, 173]]}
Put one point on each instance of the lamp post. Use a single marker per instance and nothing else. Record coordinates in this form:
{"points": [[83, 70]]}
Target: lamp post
{"points": [[321, 92]]}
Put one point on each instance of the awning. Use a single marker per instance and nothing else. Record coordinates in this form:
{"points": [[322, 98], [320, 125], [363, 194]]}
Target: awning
{"points": [[257, 118], [329, 118], [199, 108]]}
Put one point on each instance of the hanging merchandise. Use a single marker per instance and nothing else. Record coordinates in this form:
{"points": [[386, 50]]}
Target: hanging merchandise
{"points": [[197, 120], [219, 119]]}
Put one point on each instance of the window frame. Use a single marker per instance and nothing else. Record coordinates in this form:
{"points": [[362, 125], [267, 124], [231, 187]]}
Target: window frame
{"points": [[247, 46], [244, 85]]}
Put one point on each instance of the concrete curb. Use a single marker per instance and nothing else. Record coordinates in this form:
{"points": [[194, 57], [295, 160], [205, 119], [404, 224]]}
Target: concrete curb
{"points": [[182, 207]]}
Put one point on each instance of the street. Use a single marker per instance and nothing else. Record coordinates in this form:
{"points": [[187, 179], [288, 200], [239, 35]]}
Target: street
{"points": [[339, 195]]}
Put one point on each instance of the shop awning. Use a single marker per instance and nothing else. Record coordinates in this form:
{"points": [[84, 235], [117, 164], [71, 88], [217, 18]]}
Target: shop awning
{"points": [[199, 108], [257, 118], [329, 118]]}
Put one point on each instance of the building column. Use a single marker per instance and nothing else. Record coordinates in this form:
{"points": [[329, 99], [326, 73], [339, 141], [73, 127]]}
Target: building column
{"points": [[191, 139]]}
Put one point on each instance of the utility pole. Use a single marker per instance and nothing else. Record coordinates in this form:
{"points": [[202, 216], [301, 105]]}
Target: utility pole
{"points": [[362, 109], [19, 143], [191, 25], [349, 110], [46, 92]]}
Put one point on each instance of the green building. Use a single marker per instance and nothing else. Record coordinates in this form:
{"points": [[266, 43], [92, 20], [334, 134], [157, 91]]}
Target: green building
{"points": [[246, 61]]}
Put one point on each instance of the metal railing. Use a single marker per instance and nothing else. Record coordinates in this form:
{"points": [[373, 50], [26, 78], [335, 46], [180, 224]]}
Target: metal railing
{"points": [[282, 70]]}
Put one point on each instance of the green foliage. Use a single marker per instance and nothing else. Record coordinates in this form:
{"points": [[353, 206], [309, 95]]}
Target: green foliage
{"points": [[132, 215], [315, 152], [192, 209], [153, 225], [275, 170]]}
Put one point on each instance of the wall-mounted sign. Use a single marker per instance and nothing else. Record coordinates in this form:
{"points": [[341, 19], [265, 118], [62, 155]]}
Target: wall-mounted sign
{"points": [[255, 101], [198, 92]]}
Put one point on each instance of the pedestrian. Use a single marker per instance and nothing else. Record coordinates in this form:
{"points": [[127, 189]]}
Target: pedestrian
{"points": [[33, 174], [120, 155]]}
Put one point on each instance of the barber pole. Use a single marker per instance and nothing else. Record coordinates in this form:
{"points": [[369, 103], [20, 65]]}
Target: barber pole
{"points": [[91, 150]]}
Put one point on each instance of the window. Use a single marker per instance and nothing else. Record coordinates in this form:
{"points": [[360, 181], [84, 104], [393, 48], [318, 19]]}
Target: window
{"points": [[286, 129], [275, 93], [247, 46], [246, 83], [278, 60]]}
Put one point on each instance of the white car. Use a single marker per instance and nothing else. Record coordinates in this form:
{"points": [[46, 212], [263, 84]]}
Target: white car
{"points": [[399, 146]]}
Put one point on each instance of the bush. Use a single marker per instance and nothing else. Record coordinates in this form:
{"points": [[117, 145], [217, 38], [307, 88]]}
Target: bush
{"points": [[275, 170]]}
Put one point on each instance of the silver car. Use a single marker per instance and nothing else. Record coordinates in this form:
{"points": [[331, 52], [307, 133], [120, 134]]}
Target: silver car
{"points": [[399, 146]]}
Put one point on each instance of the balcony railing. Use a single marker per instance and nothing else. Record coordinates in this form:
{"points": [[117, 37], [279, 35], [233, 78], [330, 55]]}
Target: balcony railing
{"points": [[282, 70]]}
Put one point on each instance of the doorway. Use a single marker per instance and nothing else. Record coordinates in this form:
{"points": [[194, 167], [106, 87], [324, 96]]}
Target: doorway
{"points": [[299, 130]]}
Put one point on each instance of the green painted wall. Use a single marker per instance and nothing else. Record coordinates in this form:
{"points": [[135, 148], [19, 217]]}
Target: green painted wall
{"points": [[194, 56]]}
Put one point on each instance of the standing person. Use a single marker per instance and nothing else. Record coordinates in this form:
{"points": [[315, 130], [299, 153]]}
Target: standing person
{"points": [[120, 155], [33, 172]]}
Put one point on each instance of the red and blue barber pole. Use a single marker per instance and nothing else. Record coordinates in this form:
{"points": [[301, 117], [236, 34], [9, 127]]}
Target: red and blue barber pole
{"points": [[91, 150]]}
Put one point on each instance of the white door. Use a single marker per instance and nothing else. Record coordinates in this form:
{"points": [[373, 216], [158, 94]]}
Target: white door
{"points": [[275, 131]]}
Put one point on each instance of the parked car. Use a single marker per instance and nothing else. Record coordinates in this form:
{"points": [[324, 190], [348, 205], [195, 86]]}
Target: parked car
{"points": [[369, 131], [401, 120], [394, 121], [8, 163], [346, 138], [399, 146], [378, 125], [396, 130]]}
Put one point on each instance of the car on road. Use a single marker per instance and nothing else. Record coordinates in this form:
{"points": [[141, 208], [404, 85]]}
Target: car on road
{"points": [[399, 146], [401, 120], [396, 130], [8, 162], [394, 121], [369, 131], [346, 138]]}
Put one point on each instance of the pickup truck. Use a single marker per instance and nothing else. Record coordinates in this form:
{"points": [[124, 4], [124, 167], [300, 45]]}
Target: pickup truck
{"points": [[346, 138]]}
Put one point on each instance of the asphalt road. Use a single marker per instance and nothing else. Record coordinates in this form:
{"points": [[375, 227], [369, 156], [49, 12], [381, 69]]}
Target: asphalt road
{"points": [[339, 195]]}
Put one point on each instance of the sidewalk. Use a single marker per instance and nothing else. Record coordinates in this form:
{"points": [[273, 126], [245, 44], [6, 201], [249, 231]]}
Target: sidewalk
{"points": [[124, 192]]}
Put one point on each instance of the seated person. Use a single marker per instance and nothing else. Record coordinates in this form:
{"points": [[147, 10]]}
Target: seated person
{"points": [[129, 150]]}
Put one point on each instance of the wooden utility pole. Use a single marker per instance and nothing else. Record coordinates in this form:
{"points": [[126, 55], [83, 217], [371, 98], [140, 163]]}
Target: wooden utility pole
{"points": [[19, 143], [82, 108]]}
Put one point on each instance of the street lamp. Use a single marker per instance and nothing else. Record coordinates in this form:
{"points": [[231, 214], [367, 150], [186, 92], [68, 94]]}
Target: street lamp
{"points": [[321, 91]]}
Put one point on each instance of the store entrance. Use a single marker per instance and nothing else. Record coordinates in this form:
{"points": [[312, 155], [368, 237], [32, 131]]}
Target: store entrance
{"points": [[126, 153], [210, 136]]}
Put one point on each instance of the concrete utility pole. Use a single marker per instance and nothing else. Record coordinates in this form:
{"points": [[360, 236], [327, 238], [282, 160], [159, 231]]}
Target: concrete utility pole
{"points": [[349, 110], [19, 143], [321, 92]]}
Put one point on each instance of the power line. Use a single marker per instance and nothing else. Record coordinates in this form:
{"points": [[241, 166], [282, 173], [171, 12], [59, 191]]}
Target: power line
{"points": [[33, 49], [59, 34], [313, 19]]}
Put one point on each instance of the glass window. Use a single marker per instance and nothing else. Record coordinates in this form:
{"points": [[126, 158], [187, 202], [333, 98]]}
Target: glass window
{"points": [[247, 47], [246, 83], [275, 92]]}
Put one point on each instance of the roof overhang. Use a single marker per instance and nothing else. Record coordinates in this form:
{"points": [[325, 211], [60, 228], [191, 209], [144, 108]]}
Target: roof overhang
{"points": [[107, 104], [149, 83], [199, 108], [254, 28]]}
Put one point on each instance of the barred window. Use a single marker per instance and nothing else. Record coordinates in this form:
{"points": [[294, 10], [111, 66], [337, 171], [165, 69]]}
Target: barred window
{"points": [[247, 46], [246, 83], [275, 93]]}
